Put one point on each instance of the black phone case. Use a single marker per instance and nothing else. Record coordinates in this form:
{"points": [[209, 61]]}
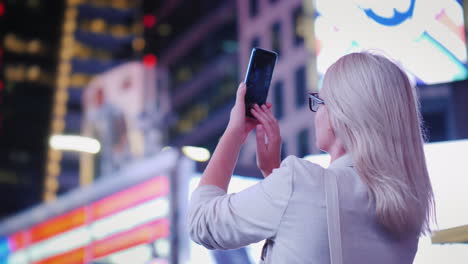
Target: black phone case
{"points": [[258, 77]]}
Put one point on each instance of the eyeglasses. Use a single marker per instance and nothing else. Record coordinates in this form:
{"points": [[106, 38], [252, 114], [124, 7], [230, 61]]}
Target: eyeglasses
{"points": [[315, 102]]}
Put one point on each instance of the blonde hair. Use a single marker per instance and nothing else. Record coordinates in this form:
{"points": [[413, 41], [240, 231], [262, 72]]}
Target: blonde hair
{"points": [[374, 111]]}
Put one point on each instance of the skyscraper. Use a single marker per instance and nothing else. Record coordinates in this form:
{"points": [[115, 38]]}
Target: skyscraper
{"points": [[30, 32]]}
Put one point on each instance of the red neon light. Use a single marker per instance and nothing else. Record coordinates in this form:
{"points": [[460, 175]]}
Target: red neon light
{"points": [[76, 256], [149, 20], [18, 240], [143, 234], [125, 199], [58, 225], [120, 201], [2, 9], [150, 60]]}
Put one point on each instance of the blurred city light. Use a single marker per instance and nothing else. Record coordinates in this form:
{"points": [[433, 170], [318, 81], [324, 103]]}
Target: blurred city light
{"points": [[150, 60], [75, 143], [163, 247], [196, 153], [149, 20]]}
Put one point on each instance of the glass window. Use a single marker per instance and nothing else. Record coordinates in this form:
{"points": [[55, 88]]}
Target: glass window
{"points": [[255, 43], [303, 143], [278, 99], [253, 8], [298, 23], [301, 86], [276, 37]]}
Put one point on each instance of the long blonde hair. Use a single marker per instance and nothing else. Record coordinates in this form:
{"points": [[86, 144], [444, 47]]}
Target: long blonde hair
{"points": [[374, 111]]}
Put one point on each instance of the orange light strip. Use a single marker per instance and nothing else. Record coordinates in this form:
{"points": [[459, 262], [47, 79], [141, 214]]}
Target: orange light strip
{"points": [[58, 225], [76, 256], [151, 189], [140, 235], [143, 234]]}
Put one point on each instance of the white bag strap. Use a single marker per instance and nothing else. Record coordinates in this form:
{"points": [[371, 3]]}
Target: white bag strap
{"points": [[333, 218]]}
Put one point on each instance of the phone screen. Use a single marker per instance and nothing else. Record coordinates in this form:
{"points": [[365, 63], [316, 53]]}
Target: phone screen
{"points": [[258, 77]]}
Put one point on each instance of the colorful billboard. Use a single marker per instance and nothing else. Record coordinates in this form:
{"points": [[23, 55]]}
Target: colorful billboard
{"points": [[427, 38], [133, 217], [119, 111]]}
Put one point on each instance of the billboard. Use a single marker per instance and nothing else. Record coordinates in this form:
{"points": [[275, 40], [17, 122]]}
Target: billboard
{"points": [[427, 38], [119, 111], [129, 218]]}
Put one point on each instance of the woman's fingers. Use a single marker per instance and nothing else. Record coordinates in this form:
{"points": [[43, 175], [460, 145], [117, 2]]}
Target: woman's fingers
{"points": [[260, 135], [272, 118], [241, 92], [271, 124], [263, 119], [268, 114]]}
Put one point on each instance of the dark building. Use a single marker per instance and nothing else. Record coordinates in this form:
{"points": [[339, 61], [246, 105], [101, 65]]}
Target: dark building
{"points": [[30, 33], [197, 68], [50, 50], [97, 36]]}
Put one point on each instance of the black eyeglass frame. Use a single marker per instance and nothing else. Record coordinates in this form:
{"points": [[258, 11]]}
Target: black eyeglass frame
{"points": [[315, 101]]}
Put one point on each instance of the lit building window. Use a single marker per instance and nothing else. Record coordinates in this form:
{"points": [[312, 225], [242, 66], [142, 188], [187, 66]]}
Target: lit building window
{"points": [[298, 23]]}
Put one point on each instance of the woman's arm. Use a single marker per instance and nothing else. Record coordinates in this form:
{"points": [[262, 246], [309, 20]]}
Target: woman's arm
{"points": [[226, 221], [221, 165]]}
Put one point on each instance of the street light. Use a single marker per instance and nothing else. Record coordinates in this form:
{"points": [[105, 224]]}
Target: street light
{"points": [[75, 143], [196, 153]]}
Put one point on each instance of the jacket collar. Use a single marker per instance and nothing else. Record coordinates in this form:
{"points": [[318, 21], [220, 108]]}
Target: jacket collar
{"points": [[344, 161]]}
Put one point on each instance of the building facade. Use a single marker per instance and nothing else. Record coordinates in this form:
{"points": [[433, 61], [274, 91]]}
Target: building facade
{"points": [[280, 26]]}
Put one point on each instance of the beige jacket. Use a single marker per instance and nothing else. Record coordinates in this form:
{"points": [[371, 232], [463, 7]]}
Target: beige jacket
{"points": [[288, 209]]}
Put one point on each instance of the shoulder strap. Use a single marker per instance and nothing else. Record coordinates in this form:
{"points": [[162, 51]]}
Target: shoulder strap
{"points": [[333, 218]]}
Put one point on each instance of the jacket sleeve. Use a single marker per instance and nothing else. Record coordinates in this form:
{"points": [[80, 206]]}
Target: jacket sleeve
{"points": [[226, 221]]}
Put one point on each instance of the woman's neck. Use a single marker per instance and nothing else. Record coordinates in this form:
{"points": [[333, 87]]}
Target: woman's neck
{"points": [[336, 151]]}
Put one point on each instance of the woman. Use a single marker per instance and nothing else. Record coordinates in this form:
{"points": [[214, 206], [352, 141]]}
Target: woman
{"points": [[368, 121]]}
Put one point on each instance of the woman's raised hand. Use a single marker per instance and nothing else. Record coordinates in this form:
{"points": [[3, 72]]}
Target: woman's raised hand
{"points": [[239, 123]]}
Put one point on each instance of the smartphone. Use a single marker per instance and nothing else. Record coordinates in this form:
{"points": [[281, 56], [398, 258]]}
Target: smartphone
{"points": [[258, 77]]}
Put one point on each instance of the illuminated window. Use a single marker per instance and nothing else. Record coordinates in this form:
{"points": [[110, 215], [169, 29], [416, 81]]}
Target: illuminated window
{"points": [[298, 23]]}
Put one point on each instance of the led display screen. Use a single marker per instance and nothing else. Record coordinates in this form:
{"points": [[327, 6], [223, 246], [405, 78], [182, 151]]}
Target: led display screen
{"points": [[427, 38]]}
